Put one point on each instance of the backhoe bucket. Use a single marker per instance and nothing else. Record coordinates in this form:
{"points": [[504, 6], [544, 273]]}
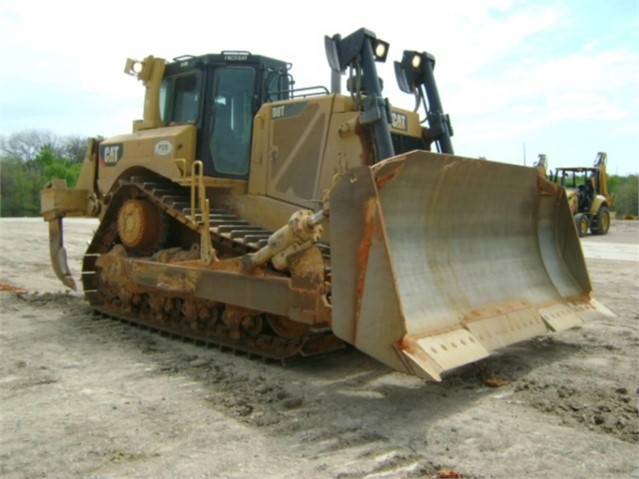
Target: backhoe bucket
{"points": [[437, 260]]}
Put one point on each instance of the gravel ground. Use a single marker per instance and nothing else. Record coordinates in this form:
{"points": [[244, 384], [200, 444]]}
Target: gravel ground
{"points": [[83, 396]]}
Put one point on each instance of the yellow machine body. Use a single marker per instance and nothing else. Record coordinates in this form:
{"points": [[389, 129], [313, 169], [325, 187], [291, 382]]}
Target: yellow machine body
{"points": [[345, 227]]}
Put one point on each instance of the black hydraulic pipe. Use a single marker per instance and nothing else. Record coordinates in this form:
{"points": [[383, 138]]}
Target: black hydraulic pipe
{"points": [[375, 107], [437, 120]]}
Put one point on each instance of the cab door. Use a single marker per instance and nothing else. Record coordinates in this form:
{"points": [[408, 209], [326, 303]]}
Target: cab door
{"points": [[226, 137]]}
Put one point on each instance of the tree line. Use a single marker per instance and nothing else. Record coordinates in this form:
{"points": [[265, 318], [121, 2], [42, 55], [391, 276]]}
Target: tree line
{"points": [[28, 161], [32, 158], [626, 189]]}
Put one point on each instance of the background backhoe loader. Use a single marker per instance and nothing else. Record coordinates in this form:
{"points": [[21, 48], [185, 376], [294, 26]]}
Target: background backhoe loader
{"points": [[246, 213], [589, 198]]}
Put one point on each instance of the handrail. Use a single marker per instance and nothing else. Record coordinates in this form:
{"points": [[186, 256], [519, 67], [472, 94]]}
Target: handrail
{"points": [[196, 170], [198, 190], [295, 93]]}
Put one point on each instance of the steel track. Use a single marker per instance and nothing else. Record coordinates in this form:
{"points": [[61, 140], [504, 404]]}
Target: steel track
{"points": [[187, 318]]}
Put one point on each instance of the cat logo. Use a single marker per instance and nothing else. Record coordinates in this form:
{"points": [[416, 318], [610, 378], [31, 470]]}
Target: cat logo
{"points": [[399, 121], [111, 154]]}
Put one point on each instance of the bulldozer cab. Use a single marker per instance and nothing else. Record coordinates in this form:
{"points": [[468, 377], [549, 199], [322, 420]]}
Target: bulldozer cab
{"points": [[219, 94]]}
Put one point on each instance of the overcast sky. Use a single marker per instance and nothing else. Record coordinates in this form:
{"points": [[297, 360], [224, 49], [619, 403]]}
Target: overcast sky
{"points": [[517, 78]]}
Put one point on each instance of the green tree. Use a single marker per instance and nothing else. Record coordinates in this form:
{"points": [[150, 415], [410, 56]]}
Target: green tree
{"points": [[613, 182], [52, 166], [19, 188], [627, 191], [28, 162]]}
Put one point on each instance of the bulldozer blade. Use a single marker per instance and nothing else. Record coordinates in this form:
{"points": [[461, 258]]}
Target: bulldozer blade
{"points": [[437, 260], [59, 254]]}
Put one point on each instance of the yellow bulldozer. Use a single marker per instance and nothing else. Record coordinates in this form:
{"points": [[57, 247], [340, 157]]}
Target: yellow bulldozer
{"points": [[244, 212], [589, 197]]}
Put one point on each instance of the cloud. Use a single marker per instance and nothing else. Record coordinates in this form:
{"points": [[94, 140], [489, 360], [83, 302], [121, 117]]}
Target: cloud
{"points": [[582, 107], [507, 71]]}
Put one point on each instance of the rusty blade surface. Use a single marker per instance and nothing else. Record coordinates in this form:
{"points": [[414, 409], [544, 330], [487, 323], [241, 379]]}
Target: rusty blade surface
{"points": [[438, 260]]}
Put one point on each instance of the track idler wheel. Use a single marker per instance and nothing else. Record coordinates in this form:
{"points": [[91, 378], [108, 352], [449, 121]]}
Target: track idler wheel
{"points": [[141, 225]]}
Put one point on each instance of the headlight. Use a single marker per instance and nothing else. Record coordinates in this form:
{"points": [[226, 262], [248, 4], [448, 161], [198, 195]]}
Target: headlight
{"points": [[416, 61], [380, 50]]}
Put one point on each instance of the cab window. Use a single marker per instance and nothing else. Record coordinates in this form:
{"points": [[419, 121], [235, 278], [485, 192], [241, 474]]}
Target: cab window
{"points": [[180, 98], [230, 141]]}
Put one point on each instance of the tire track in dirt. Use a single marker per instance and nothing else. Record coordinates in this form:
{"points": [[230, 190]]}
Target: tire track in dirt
{"points": [[259, 396], [134, 403]]}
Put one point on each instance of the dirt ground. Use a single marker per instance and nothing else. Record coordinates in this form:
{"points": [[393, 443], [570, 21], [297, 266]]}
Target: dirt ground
{"points": [[82, 396]]}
